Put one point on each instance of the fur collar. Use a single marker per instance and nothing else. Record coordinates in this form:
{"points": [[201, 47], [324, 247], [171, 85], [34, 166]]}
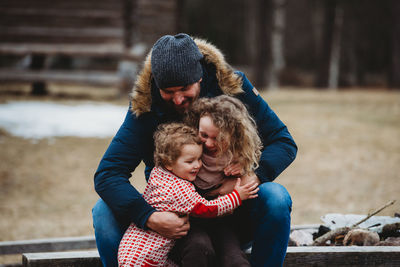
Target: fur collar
{"points": [[229, 82]]}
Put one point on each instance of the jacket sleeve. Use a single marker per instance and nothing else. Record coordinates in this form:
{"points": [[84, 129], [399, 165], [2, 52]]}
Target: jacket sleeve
{"points": [[188, 201], [127, 149], [279, 147], [216, 207]]}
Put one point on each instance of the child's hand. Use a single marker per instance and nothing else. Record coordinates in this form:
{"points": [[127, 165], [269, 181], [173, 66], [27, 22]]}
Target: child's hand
{"points": [[247, 191]]}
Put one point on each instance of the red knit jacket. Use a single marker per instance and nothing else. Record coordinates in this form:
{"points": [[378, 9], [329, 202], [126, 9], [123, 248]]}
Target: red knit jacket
{"points": [[167, 192]]}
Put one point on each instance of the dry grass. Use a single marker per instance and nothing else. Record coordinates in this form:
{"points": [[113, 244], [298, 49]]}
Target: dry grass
{"points": [[349, 151], [348, 162]]}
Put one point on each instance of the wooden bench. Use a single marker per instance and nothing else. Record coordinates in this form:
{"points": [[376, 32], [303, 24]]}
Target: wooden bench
{"points": [[47, 245], [47, 252], [295, 257], [75, 243], [110, 29]]}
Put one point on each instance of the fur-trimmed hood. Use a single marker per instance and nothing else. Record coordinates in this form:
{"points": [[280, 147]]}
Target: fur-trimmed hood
{"points": [[229, 82]]}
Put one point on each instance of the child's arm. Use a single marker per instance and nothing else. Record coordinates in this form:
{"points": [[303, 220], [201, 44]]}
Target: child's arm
{"points": [[223, 204]]}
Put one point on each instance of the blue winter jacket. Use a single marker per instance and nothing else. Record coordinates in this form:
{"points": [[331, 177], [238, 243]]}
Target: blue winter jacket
{"points": [[133, 142]]}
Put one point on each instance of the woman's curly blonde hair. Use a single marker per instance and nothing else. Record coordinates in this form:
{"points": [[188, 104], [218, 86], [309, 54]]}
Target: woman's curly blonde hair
{"points": [[169, 140], [238, 130]]}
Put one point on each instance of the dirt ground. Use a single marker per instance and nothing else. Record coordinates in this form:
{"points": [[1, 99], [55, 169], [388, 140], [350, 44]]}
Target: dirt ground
{"points": [[348, 162]]}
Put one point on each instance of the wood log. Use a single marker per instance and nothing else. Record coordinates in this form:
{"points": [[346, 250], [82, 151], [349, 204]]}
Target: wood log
{"points": [[361, 237], [330, 236], [344, 230], [392, 229]]}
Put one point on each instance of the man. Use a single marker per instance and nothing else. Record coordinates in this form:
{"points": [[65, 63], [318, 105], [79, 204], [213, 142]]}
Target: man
{"points": [[177, 71]]}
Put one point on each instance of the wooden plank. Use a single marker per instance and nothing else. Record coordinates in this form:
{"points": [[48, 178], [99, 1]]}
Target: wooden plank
{"points": [[49, 244], [95, 12], [91, 50], [305, 227], [62, 259], [7, 20], [342, 256], [105, 32], [62, 4], [69, 243], [296, 256], [61, 35], [97, 78]]}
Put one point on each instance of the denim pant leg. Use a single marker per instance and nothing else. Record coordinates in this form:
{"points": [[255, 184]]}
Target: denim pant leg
{"points": [[270, 213], [108, 233]]}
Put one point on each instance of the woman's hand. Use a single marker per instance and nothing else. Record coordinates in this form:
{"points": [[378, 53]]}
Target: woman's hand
{"points": [[229, 184], [246, 191], [169, 224], [226, 187], [250, 177], [234, 169]]}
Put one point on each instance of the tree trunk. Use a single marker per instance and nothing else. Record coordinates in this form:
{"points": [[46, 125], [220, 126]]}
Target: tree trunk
{"points": [[180, 16], [318, 16], [277, 43], [262, 45], [394, 79], [325, 53], [251, 35], [334, 64]]}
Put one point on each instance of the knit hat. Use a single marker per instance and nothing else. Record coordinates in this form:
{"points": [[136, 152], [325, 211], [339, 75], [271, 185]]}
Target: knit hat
{"points": [[175, 61]]}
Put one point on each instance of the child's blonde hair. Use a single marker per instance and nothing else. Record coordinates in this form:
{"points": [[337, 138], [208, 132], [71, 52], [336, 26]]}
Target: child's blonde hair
{"points": [[231, 117], [169, 140]]}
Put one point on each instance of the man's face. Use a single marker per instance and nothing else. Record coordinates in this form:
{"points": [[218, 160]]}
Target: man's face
{"points": [[181, 97]]}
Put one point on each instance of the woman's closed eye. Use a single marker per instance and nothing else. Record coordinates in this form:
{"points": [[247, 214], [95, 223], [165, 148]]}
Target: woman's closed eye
{"points": [[204, 135]]}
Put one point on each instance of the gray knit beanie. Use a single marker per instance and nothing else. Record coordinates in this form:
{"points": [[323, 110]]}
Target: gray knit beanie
{"points": [[175, 61]]}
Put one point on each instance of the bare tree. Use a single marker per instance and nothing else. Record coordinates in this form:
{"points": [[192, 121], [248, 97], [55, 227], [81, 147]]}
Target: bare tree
{"points": [[329, 66], [394, 79], [277, 62], [262, 43], [334, 64], [251, 32]]}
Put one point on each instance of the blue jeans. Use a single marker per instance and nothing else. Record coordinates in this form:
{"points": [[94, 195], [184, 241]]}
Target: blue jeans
{"points": [[269, 216]]}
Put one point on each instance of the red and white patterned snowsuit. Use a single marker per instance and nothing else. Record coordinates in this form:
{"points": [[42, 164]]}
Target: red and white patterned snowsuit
{"points": [[167, 192]]}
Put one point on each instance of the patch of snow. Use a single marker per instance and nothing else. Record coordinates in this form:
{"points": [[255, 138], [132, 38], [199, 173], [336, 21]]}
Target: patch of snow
{"points": [[37, 120]]}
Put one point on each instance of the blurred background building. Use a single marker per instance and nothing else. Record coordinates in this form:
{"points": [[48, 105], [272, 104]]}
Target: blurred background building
{"points": [[326, 44]]}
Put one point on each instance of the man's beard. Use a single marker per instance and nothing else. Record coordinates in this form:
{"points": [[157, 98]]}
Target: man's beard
{"points": [[183, 107]]}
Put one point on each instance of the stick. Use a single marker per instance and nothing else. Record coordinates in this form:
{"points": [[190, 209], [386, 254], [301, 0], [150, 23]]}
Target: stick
{"points": [[329, 235], [374, 212], [343, 230]]}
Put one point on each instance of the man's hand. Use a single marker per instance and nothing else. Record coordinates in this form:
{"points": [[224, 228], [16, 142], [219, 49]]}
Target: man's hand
{"points": [[169, 224]]}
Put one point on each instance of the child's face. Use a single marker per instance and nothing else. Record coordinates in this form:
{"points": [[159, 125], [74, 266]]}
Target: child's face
{"points": [[188, 164], [208, 133]]}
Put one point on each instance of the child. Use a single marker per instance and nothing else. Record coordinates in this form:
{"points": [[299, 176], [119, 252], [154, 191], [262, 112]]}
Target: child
{"points": [[231, 148], [178, 150]]}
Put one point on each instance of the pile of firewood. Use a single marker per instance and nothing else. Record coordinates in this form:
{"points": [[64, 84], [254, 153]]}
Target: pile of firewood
{"points": [[377, 234]]}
